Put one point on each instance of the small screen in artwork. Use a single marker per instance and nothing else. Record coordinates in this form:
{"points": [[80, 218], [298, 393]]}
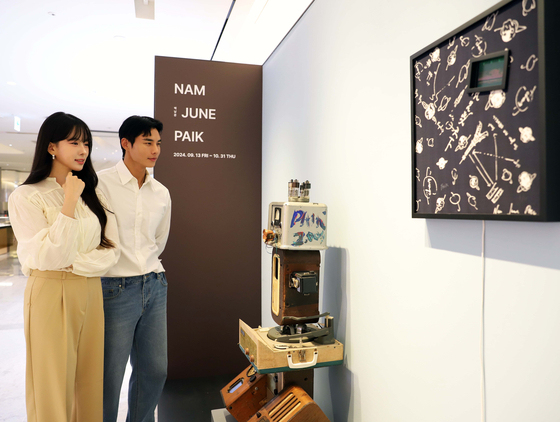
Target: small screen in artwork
{"points": [[489, 72]]}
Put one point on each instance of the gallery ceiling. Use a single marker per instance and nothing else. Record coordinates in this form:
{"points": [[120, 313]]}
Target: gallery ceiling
{"points": [[95, 59]]}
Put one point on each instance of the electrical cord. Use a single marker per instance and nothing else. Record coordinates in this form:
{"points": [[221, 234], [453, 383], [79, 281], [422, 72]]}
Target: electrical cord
{"points": [[482, 360]]}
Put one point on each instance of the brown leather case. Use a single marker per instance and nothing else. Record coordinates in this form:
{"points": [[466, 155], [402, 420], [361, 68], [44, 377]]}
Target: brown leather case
{"points": [[289, 302], [291, 405], [245, 394]]}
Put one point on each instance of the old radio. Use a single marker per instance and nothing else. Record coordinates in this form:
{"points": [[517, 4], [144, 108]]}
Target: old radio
{"points": [[293, 404], [246, 394]]}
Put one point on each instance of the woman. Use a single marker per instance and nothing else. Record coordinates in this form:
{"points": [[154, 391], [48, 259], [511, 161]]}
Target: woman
{"points": [[66, 241]]}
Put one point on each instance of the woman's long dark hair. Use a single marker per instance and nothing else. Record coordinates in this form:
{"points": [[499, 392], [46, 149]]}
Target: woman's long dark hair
{"points": [[57, 127]]}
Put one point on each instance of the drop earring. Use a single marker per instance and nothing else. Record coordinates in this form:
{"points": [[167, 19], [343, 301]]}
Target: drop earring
{"points": [[53, 156]]}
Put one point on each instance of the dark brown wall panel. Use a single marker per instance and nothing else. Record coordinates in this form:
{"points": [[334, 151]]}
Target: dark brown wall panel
{"points": [[212, 258]]}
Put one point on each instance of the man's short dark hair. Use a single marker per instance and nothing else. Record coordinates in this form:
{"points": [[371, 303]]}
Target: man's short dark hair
{"points": [[135, 126]]}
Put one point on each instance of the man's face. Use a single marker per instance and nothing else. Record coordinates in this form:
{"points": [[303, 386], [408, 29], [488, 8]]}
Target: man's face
{"points": [[145, 150]]}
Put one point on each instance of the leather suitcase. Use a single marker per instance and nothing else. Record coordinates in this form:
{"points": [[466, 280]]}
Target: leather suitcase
{"points": [[268, 356], [291, 405], [246, 394]]}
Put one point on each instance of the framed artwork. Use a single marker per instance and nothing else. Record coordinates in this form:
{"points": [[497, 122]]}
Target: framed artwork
{"points": [[485, 113]]}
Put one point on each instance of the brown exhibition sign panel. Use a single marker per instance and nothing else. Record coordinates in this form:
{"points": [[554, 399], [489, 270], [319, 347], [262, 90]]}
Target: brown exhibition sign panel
{"points": [[211, 163]]}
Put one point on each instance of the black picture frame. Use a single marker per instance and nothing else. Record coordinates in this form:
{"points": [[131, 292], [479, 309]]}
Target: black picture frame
{"points": [[545, 109]]}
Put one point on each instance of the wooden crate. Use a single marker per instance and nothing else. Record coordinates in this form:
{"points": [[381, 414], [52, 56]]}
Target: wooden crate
{"points": [[268, 356]]}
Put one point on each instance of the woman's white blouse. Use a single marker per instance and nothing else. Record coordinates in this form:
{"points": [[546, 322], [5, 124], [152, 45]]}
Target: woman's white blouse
{"points": [[51, 241]]}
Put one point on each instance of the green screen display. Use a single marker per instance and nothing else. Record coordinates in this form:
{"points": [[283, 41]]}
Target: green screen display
{"points": [[490, 72]]}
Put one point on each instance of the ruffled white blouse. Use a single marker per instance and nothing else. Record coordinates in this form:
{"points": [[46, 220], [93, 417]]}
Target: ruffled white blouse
{"points": [[51, 241]]}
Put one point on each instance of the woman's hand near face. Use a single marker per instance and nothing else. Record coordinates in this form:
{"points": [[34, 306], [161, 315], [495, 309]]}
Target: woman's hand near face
{"points": [[73, 188]]}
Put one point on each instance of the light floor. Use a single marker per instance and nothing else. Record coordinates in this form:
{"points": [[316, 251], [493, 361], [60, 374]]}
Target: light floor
{"points": [[12, 345]]}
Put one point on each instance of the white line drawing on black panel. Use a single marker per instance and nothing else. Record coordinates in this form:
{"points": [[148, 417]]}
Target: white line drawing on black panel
{"points": [[472, 200], [528, 5], [444, 186], [441, 163], [495, 193], [490, 20], [491, 126], [479, 47], [501, 157], [507, 176], [418, 175], [481, 170], [525, 181], [495, 136], [430, 185], [443, 104], [526, 134], [466, 114], [464, 41], [417, 121], [531, 62], [450, 143], [506, 133], [496, 99], [459, 97], [451, 43], [455, 199], [497, 209], [473, 182], [478, 137], [419, 146], [452, 58], [529, 210], [418, 204], [430, 142], [430, 110], [463, 73], [430, 76], [511, 210], [463, 142], [476, 96], [454, 175], [509, 29], [522, 99], [419, 67], [435, 96], [454, 131], [440, 203], [435, 55]]}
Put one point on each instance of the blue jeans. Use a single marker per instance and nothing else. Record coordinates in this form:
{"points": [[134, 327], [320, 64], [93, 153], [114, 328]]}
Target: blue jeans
{"points": [[135, 326]]}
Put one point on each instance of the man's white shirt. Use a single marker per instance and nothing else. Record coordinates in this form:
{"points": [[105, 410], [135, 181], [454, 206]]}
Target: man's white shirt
{"points": [[143, 219]]}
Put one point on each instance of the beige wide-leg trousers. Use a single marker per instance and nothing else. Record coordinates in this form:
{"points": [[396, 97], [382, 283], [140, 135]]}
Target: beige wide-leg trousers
{"points": [[64, 330]]}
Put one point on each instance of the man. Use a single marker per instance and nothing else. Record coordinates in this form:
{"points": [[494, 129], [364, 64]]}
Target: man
{"points": [[135, 289]]}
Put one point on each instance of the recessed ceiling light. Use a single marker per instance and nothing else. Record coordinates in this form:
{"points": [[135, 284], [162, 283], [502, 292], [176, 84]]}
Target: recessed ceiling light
{"points": [[51, 13], [10, 144]]}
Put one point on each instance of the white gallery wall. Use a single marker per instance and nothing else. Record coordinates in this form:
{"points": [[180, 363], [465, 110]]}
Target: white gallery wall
{"points": [[406, 293]]}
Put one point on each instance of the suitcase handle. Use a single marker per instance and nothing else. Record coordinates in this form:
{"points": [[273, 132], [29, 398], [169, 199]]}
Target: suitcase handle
{"points": [[303, 365]]}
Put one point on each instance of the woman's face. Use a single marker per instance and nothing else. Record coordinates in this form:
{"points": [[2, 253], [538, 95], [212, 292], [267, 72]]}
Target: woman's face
{"points": [[70, 153]]}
